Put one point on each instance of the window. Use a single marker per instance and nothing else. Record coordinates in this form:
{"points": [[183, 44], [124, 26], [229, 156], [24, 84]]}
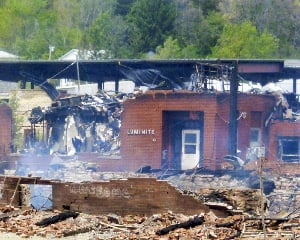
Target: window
{"points": [[255, 137], [289, 149], [190, 141]]}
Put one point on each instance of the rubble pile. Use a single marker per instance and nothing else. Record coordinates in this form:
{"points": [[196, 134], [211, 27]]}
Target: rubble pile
{"points": [[282, 192], [168, 225], [88, 123], [283, 197], [231, 212], [286, 195]]}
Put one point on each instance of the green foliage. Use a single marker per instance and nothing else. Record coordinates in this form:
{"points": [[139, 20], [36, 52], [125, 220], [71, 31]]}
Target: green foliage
{"points": [[207, 6], [108, 33], [151, 22], [208, 33], [243, 41], [123, 7], [17, 121], [197, 29], [277, 17], [19, 20], [132, 28], [171, 49]]}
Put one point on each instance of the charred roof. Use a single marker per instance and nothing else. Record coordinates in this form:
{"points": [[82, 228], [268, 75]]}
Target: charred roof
{"points": [[173, 73]]}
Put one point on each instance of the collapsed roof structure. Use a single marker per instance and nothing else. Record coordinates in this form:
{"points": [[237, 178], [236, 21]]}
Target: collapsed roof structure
{"points": [[173, 72]]}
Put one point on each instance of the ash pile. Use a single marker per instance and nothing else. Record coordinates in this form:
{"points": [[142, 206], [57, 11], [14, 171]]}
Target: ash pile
{"points": [[77, 124]]}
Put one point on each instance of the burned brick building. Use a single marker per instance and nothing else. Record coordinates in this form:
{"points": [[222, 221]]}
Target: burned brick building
{"points": [[167, 129], [183, 122], [185, 130]]}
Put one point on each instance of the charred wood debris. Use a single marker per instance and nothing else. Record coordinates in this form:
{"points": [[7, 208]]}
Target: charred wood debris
{"points": [[233, 215], [55, 224], [89, 122]]}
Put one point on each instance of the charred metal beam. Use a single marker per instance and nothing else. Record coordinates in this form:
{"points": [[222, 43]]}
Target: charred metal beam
{"points": [[43, 84], [233, 112], [173, 72]]}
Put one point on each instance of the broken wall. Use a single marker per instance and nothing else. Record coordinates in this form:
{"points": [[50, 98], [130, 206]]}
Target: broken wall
{"points": [[289, 130], [285, 198], [10, 194], [144, 196], [242, 191]]}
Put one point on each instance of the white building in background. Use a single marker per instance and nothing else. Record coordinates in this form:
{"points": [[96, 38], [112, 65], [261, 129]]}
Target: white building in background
{"points": [[76, 86], [79, 86], [8, 56]]}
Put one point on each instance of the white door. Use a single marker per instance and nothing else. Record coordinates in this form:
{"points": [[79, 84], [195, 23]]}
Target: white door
{"points": [[190, 148]]}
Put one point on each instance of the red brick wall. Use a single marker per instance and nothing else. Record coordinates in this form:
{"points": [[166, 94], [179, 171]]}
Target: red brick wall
{"points": [[222, 124], [263, 104], [282, 128], [5, 129], [145, 196], [9, 194], [246, 104], [145, 112]]}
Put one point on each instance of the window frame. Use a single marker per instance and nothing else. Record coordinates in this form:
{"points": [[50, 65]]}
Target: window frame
{"points": [[285, 156]]}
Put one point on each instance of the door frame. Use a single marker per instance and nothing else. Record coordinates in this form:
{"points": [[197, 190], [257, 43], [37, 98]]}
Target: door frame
{"points": [[190, 160]]}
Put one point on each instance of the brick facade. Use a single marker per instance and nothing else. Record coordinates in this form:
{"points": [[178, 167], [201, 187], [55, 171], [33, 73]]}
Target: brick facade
{"points": [[283, 128], [144, 196], [147, 111], [5, 129]]}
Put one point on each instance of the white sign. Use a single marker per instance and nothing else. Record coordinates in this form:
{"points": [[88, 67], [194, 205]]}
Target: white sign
{"points": [[141, 132]]}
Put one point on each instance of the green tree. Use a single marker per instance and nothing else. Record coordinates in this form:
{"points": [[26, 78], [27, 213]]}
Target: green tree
{"points": [[207, 6], [123, 7], [280, 18], [208, 32], [170, 49], [17, 121], [89, 11], [151, 22], [197, 30], [19, 21], [108, 33], [243, 41]]}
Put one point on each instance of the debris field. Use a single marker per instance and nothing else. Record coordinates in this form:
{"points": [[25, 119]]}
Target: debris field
{"points": [[54, 224]]}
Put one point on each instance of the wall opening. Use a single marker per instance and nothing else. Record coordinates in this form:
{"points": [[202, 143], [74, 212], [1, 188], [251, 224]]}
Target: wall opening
{"points": [[41, 196], [289, 149], [175, 124]]}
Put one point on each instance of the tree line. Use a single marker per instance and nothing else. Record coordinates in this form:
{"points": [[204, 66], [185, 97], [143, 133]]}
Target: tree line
{"points": [[158, 29]]}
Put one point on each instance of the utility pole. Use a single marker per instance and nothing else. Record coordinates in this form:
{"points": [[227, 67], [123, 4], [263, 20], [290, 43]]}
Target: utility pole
{"points": [[78, 74], [262, 196], [233, 112], [51, 49]]}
